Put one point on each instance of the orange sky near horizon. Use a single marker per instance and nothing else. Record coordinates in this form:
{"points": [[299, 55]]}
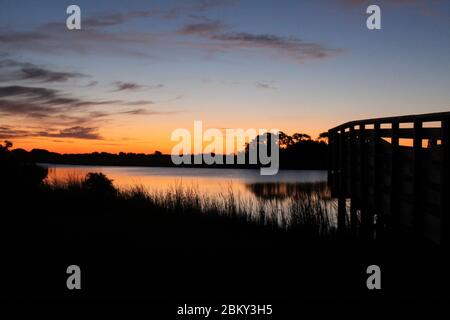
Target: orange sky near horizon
{"points": [[138, 140]]}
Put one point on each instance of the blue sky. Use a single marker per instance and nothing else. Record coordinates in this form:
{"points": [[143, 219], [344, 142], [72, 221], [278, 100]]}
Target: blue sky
{"points": [[299, 66]]}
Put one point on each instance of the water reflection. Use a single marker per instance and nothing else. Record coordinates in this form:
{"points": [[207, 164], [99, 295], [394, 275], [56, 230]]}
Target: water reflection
{"points": [[283, 190], [284, 197]]}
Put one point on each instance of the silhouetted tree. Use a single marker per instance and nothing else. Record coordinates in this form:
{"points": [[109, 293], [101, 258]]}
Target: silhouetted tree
{"points": [[99, 183]]}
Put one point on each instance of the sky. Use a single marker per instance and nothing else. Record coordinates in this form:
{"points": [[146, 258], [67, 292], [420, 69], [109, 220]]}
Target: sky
{"points": [[138, 70]]}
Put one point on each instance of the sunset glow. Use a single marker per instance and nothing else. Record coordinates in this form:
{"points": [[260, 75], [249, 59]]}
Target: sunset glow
{"points": [[135, 72]]}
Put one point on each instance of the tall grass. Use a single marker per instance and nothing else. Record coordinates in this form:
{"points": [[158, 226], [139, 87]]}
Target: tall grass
{"points": [[309, 211]]}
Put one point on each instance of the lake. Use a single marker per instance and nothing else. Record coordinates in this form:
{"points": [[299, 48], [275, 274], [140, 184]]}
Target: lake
{"points": [[246, 185], [207, 181]]}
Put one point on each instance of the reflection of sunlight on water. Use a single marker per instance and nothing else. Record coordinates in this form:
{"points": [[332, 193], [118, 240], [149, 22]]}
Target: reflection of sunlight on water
{"points": [[249, 193]]}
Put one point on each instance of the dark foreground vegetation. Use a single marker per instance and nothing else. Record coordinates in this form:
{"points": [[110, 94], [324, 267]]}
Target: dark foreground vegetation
{"points": [[298, 151], [178, 246]]}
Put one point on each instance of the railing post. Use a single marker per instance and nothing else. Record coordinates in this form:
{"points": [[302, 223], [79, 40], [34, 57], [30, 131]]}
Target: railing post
{"points": [[330, 159], [342, 211], [353, 200], [363, 180], [378, 172], [445, 196], [418, 181], [394, 207]]}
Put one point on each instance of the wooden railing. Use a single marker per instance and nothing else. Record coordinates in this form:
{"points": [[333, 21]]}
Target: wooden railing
{"points": [[393, 172]]}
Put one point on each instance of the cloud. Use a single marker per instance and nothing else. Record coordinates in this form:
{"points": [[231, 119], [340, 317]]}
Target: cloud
{"points": [[46, 105], [77, 132], [6, 132], [200, 28], [91, 84], [96, 38], [287, 47], [293, 45], [46, 97], [29, 92], [46, 75], [139, 102], [115, 18], [122, 86], [10, 36], [142, 111], [13, 70], [50, 107], [264, 85]]}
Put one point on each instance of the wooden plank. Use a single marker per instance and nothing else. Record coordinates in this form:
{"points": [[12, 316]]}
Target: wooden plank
{"points": [[427, 117]]}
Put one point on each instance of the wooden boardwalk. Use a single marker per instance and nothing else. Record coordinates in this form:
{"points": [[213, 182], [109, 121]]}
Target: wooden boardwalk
{"points": [[393, 173]]}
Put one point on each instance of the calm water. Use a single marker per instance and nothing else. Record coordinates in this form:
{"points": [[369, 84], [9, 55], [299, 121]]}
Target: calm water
{"points": [[275, 194], [245, 182]]}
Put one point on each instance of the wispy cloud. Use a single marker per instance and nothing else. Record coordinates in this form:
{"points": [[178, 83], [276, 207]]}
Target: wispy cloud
{"points": [[265, 85], [201, 28], [13, 70], [213, 35], [142, 111], [291, 47], [122, 86], [77, 132], [7, 132]]}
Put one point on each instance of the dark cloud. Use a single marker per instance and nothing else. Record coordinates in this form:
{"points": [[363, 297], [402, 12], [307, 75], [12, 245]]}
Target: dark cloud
{"points": [[47, 98], [95, 39], [146, 112], [122, 86], [10, 36], [47, 75], [291, 48], [13, 70], [200, 28], [77, 132], [74, 132], [28, 92], [6, 132], [139, 102], [264, 85], [49, 106], [54, 108]]}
